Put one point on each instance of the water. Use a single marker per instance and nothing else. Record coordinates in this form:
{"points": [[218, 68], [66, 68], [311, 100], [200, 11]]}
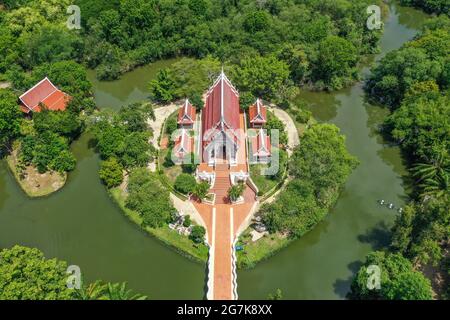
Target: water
{"points": [[80, 223]]}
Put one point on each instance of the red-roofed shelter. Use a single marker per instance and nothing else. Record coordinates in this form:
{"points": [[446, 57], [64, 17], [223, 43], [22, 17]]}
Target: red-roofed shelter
{"points": [[44, 93], [257, 114], [261, 147], [186, 115]]}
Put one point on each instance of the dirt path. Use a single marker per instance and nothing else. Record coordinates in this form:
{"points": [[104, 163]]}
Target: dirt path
{"points": [[161, 115], [293, 137]]}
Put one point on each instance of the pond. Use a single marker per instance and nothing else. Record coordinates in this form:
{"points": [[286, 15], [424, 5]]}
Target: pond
{"points": [[80, 223]]}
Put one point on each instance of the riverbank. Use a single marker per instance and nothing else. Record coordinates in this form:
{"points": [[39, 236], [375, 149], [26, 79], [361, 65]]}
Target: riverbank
{"points": [[181, 244], [33, 183]]}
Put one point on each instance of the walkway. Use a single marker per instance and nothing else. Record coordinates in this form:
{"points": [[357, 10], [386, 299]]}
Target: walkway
{"points": [[224, 222], [292, 132]]}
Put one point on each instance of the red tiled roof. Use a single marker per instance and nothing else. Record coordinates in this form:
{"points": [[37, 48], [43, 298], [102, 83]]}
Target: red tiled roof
{"points": [[257, 113], [44, 92], [221, 110], [183, 145], [261, 144], [186, 114]]}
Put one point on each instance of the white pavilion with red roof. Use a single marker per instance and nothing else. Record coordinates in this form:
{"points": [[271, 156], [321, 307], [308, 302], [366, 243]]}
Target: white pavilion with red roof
{"points": [[220, 123], [183, 146], [257, 114], [43, 93], [186, 115]]}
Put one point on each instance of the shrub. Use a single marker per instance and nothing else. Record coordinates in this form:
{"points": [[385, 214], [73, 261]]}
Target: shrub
{"points": [[187, 221], [111, 172], [197, 234], [185, 183]]}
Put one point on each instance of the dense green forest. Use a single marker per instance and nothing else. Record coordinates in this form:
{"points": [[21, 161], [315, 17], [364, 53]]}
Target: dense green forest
{"points": [[430, 6], [321, 42], [414, 83]]}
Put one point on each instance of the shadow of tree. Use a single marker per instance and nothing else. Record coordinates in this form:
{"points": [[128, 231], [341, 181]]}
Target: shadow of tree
{"points": [[342, 286], [378, 237]]}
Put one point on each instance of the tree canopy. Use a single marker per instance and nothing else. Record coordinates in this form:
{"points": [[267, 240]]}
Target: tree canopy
{"points": [[398, 279], [26, 275], [319, 167]]}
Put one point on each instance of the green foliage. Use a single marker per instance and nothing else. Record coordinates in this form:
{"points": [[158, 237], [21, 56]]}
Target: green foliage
{"points": [[111, 172], [262, 76], [149, 198], [336, 62], [420, 124], [185, 183], [26, 275], [125, 135], [163, 87], [47, 151], [197, 234], [423, 60], [273, 123], [323, 160], [187, 221], [278, 295], [201, 190], [320, 167], [398, 280], [421, 229], [414, 82], [10, 117], [430, 6], [63, 123], [171, 125], [122, 35], [236, 191]]}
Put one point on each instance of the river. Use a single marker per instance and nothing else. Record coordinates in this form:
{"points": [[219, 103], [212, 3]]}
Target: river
{"points": [[80, 223]]}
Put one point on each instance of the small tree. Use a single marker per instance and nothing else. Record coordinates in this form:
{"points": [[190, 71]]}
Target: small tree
{"points": [[197, 101], [236, 191], [185, 183], [111, 172], [201, 190], [187, 221], [197, 234]]}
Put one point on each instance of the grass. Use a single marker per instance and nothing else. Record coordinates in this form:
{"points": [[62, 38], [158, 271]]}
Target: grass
{"points": [[262, 249], [264, 183], [35, 184], [180, 243]]}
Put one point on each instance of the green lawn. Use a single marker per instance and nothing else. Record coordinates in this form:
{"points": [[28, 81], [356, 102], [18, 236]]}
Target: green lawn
{"points": [[263, 182], [182, 244]]}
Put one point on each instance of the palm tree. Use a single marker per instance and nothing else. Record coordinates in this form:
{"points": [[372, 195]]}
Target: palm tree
{"points": [[119, 291], [433, 177], [236, 191], [99, 290], [94, 291]]}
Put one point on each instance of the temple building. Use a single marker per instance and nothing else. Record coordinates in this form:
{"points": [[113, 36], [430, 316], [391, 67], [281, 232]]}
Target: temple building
{"points": [[221, 130], [186, 115], [183, 146], [257, 114], [261, 147], [43, 93]]}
